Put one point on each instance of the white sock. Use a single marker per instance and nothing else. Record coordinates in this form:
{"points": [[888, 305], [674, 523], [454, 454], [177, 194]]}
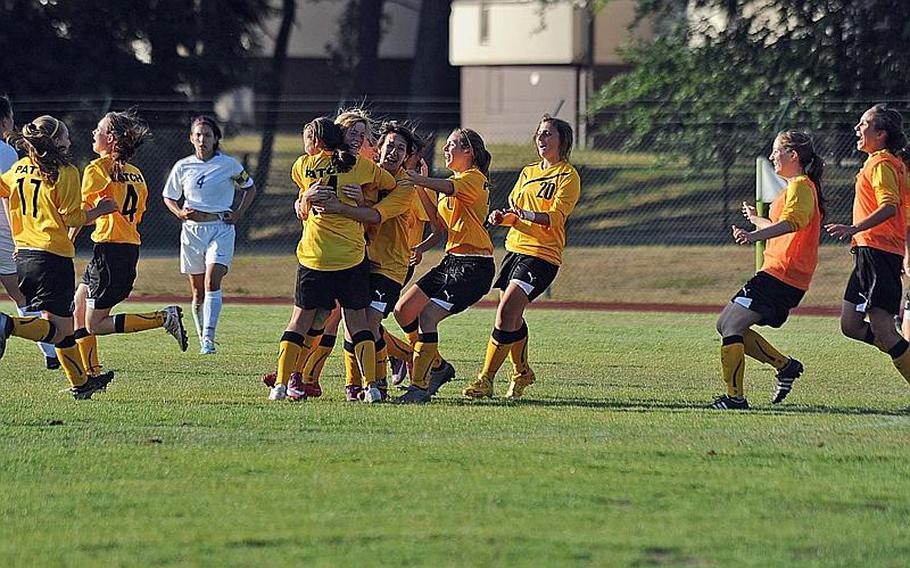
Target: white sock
{"points": [[197, 319], [46, 348], [211, 309]]}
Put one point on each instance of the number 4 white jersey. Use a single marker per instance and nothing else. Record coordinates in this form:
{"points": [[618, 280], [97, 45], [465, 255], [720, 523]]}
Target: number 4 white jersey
{"points": [[207, 186]]}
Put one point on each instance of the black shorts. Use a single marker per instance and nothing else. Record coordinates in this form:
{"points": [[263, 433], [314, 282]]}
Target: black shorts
{"points": [[875, 280], [533, 275], [111, 274], [322, 288], [770, 297], [409, 275], [47, 280], [458, 282], [384, 292]]}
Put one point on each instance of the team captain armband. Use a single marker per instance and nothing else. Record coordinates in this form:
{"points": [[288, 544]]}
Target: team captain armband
{"points": [[243, 179]]}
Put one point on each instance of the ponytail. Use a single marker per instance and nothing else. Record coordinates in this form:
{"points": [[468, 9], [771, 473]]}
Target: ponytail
{"points": [[472, 140], [814, 170], [329, 134], [38, 139], [891, 122], [813, 164], [128, 132]]}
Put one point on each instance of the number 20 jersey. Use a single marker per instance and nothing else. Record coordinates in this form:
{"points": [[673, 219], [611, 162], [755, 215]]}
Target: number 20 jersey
{"points": [[130, 194], [555, 191], [40, 213]]}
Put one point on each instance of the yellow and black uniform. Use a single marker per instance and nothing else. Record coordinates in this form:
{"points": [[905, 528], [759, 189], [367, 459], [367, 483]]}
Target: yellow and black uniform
{"points": [[878, 251], [332, 249], [534, 251], [111, 273], [388, 248], [466, 272], [789, 264]]}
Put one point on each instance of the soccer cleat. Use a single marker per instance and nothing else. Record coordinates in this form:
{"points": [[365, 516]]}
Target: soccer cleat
{"points": [[52, 363], [518, 384], [173, 324], [414, 395], [278, 392], [372, 394], [208, 346], [353, 393], [312, 390], [481, 388], [383, 386], [4, 323], [439, 376], [296, 388], [92, 385], [270, 379], [785, 377], [729, 403], [399, 370]]}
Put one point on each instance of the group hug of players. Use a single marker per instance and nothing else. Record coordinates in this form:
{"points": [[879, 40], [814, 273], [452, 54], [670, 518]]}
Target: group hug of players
{"points": [[369, 210], [365, 200]]}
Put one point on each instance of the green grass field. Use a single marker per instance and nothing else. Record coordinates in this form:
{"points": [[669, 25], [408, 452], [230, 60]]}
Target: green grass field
{"points": [[611, 460]]}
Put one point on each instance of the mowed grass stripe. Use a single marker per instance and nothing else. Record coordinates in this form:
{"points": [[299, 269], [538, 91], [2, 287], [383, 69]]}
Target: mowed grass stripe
{"points": [[612, 460]]}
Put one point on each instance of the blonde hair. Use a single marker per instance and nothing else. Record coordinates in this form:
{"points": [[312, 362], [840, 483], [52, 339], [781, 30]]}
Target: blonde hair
{"points": [[38, 139], [128, 132]]}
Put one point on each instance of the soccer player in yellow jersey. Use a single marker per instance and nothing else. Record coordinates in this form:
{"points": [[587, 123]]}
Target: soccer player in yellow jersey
{"points": [[109, 277], [543, 198], [43, 201], [466, 272], [332, 253]]}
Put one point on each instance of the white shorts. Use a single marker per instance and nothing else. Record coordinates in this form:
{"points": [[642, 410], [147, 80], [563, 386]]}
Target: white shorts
{"points": [[206, 243], [7, 247]]}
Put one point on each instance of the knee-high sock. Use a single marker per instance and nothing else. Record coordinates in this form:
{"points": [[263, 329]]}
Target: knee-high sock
{"points": [[518, 353], [31, 328], [900, 357], [71, 362], [733, 363], [88, 351], [352, 374], [397, 348], [197, 319], [315, 362], [133, 323], [425, 352], [311, 341], [211, 309], [47, 348], [382, 361], [759, 349], [365, 353], [288, 350], [498, 348]]}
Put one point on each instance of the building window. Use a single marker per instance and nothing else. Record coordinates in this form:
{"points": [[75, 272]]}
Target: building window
{"points": [[484, 24]]}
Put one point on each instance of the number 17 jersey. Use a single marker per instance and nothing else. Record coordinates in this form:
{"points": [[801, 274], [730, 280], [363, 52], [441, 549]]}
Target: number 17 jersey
{"points": [[130, 194]]}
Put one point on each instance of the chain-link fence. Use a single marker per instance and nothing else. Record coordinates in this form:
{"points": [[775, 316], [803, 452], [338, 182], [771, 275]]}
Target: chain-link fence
{"points": [[650, 227]]}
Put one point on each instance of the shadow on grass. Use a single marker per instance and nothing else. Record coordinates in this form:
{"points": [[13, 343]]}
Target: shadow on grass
{"points": [[659, 405]]}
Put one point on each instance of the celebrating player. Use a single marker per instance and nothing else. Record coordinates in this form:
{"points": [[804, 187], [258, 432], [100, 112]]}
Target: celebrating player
{"points": [[466, 272], [206, 182], [878, 236], [44, 200], [791, 256], [109, 277], [8, 277], [543, 198]]}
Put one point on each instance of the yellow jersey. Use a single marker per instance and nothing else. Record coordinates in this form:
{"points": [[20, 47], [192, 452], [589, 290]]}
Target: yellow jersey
{"points": [[555, 191], [131, 194], [334, 242], [388, 248], [464, 213], [418, 217], [41, 213]]}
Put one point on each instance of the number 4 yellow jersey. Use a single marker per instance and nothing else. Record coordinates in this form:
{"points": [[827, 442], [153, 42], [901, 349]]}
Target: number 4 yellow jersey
{"points": [[41, 213], [131, 194], [555, 191]]}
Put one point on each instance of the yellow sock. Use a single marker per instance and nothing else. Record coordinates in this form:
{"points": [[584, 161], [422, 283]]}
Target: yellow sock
{"points": [[289, 348], [411, 332], [518, 352], [382, 361], [900, 356], [70, 360], [352, 375], [498, 348], [397, 348], [88, 351], [310, 340], [33, 328], [425, 352], [132, 323], [733, 362], [759, 349], [316, 359], [365, 353]]}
